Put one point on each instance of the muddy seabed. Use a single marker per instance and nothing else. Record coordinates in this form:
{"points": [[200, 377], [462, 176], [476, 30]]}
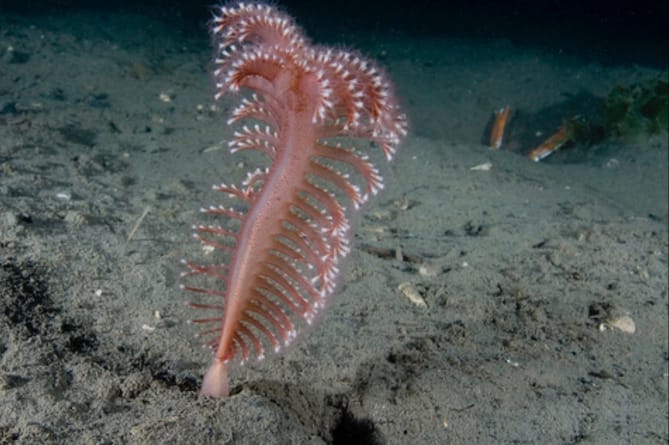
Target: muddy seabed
{"points": [[525, 268]]}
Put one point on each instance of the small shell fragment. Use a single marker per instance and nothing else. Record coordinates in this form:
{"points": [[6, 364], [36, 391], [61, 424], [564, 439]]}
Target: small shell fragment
{"points": [[429, 270], [65, 195], [624, 324], [214, 147], [412, 294], [513, 363], [482, 167]]}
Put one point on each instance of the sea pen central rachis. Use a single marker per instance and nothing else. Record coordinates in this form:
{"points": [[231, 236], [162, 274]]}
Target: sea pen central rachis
{"points": [[280, 235]]}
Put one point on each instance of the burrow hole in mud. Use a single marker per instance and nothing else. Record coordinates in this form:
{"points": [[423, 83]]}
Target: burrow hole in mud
{"points": [[348, 429]]}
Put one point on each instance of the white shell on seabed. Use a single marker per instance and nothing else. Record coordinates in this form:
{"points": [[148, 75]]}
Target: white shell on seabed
{"points": [[625, 324]]}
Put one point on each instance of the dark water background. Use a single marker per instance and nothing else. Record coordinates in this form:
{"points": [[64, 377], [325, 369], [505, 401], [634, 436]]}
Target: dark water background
{"points": [[608, 32]]}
